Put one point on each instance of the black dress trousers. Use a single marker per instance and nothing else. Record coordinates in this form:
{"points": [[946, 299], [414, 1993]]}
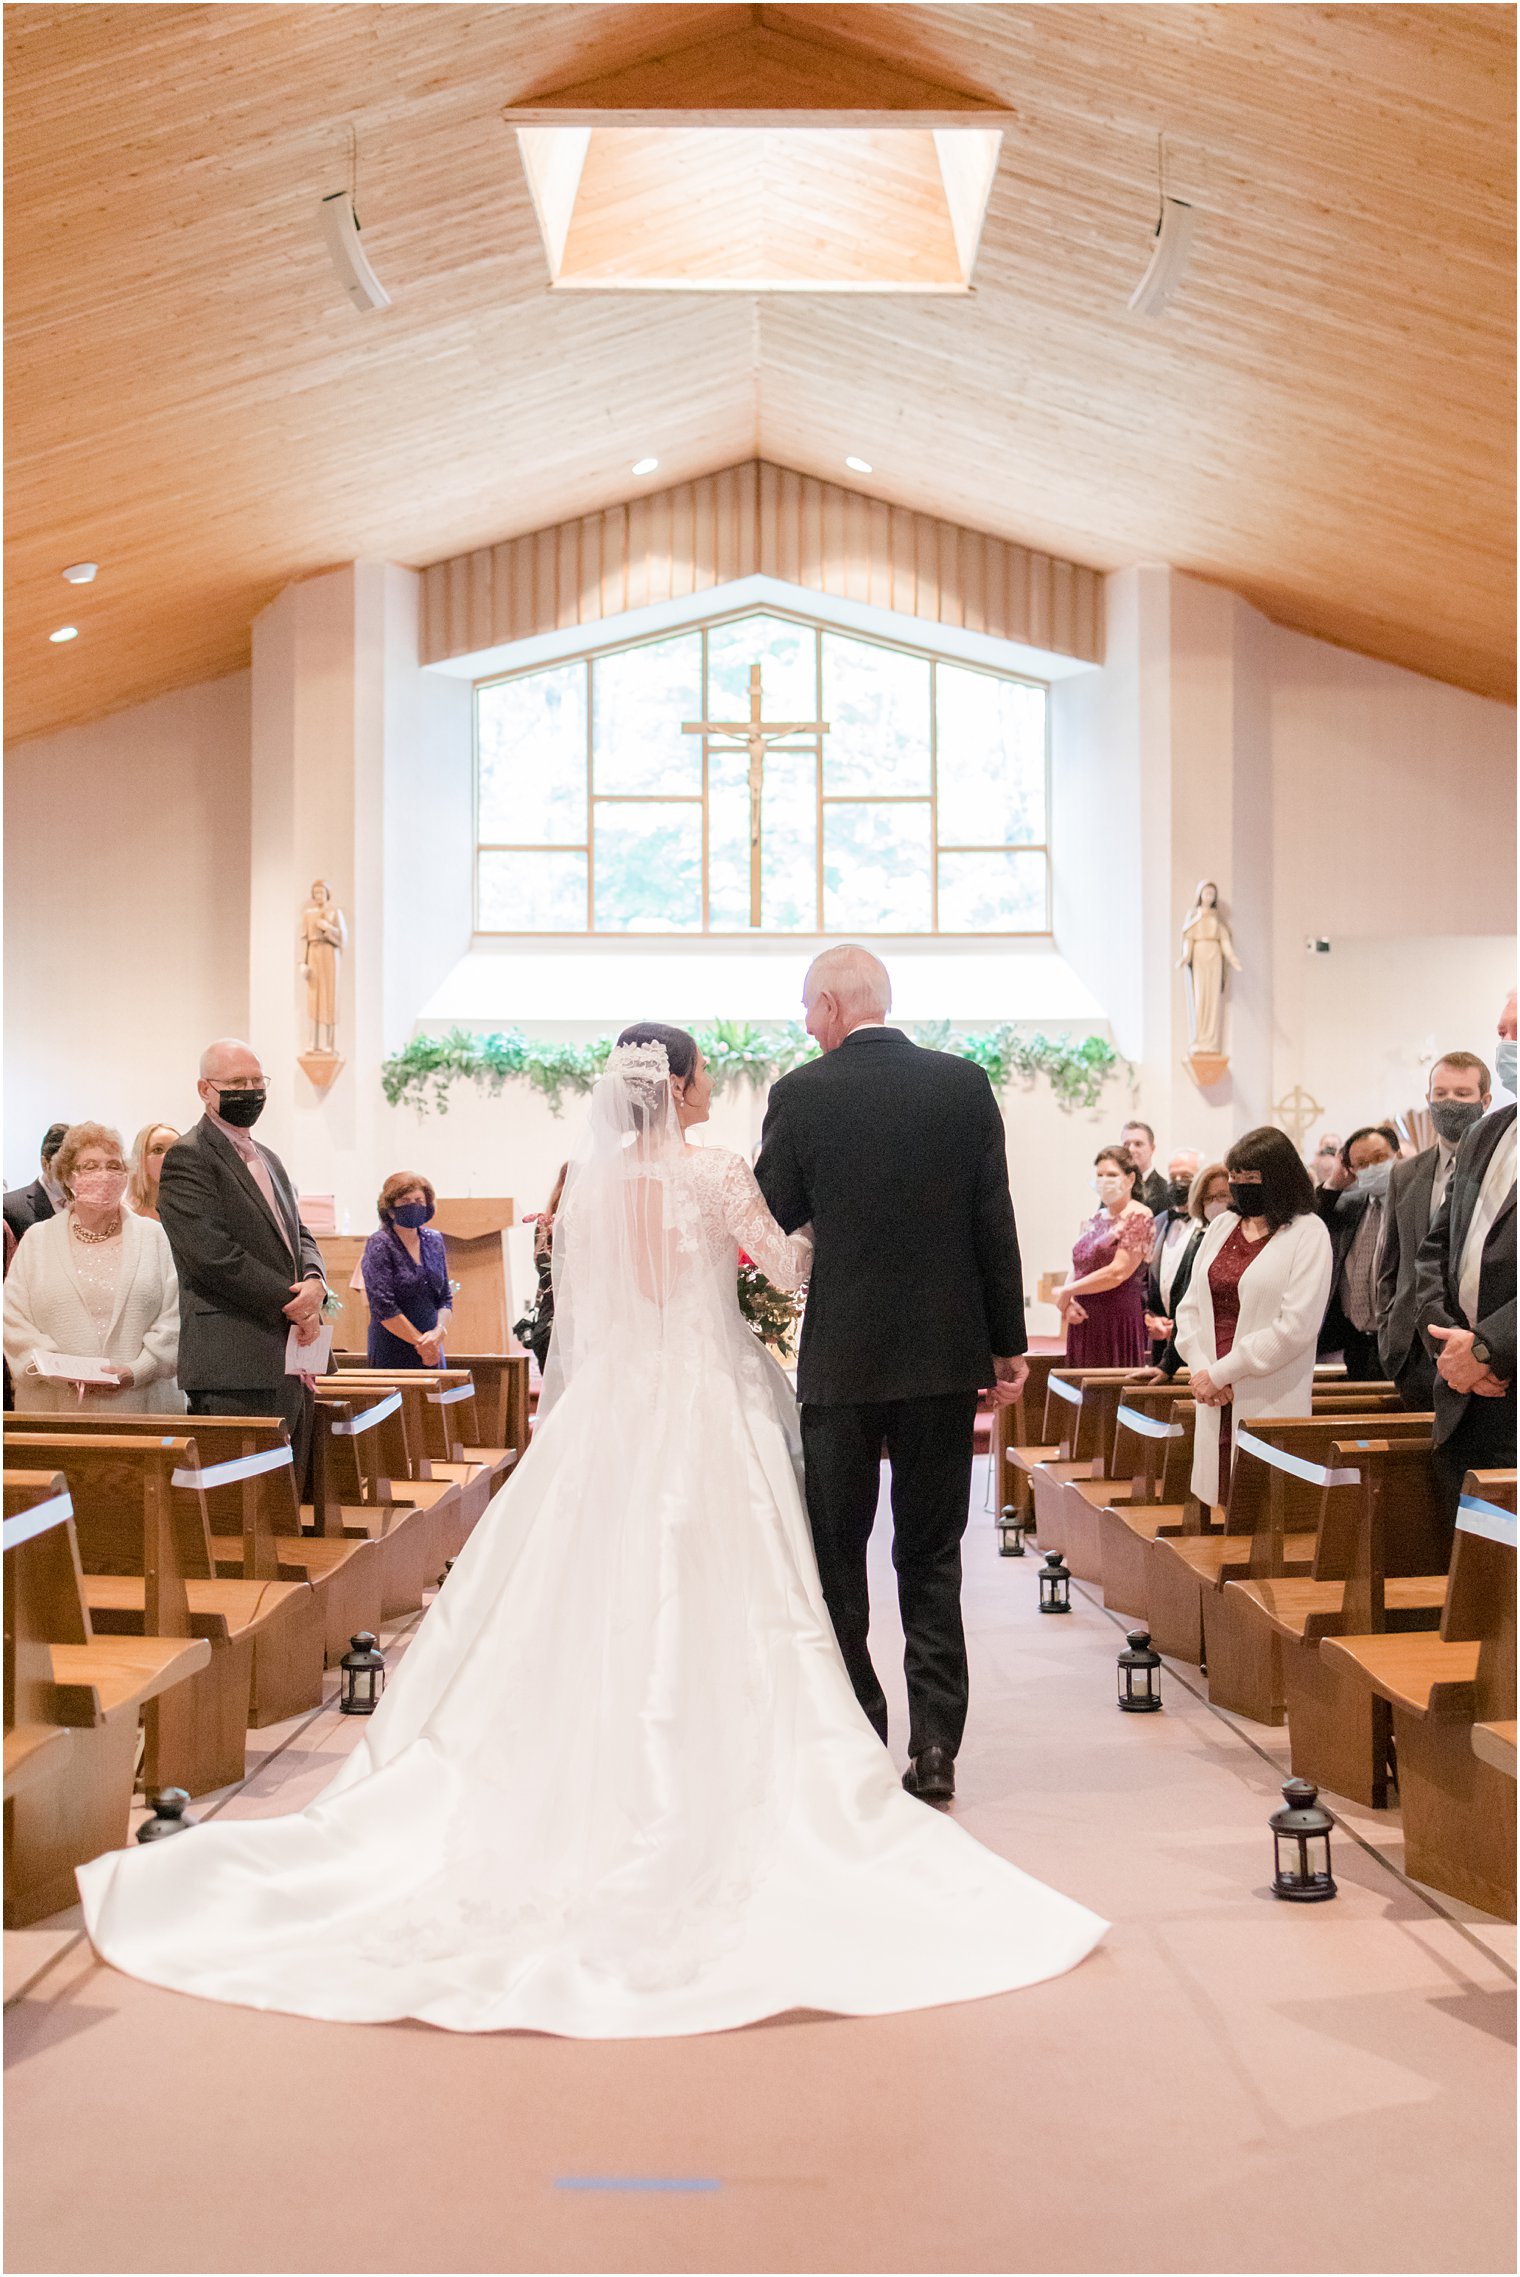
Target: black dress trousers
{"points": [[929, 1443], [291, 1401]]}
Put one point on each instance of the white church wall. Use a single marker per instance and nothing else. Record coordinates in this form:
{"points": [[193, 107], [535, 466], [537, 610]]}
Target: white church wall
{"points": [[126, 911], [1394, 806]]}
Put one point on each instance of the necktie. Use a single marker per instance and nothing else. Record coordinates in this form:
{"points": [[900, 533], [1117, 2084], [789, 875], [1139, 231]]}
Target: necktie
{"points": [[1357, 1278], [259, 1170]]}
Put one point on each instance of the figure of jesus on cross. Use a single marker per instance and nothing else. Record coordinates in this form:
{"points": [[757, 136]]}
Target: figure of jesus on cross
{"points": [[754, 735]]}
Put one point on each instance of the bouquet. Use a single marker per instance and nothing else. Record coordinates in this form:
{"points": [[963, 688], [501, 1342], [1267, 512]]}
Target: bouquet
{"points": [[771, 1313]]}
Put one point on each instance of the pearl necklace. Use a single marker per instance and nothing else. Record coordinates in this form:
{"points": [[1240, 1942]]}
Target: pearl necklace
{"points": [[81, 1234]]}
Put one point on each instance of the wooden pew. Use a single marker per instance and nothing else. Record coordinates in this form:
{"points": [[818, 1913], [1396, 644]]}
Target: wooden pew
{"points": [[1494, 1743], [255, 1521], [1378, 1569], [1458, 1808], [501, 1396], [1079, 1409], [1285, 1506], [360, 1441], [1181, 1568], [443, 1441], [72, 1703], [1016, 1440], [145, 1546], [1158, 1422]]}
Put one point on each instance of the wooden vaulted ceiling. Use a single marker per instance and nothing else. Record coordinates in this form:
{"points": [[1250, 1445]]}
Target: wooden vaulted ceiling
{"points": [[1323, 419]]}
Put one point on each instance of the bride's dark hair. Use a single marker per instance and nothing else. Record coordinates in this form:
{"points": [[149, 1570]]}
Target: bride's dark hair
{"points": [[680, 1048]]}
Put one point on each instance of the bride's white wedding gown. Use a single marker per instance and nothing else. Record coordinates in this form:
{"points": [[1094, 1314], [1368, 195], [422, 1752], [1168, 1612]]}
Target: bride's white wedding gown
{"points": [[620, 1785]]}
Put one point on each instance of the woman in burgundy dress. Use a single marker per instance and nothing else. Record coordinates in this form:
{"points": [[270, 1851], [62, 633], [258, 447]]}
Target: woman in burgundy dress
{"points": [[1103, 1302]]}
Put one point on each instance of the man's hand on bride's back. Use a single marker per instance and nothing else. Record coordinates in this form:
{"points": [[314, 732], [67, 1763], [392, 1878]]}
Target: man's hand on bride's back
{"points": [[1011, 1376]]}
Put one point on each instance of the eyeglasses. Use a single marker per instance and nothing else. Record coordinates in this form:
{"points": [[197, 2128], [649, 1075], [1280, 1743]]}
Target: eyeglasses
{"points": [[239, 1090]]}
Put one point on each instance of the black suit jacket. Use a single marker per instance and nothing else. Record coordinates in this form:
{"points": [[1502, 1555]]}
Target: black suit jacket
{"points": [[1153, 1191], [26, 1206], [235, 1264], [1169, 1359], [897, 1158], [1342, 1225], [1406, 1221], [1440, 1267]]}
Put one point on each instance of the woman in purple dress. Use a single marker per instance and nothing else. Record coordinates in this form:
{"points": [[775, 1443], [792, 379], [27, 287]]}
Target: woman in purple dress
{"points": [[1103, 1302], [406, 1278]]}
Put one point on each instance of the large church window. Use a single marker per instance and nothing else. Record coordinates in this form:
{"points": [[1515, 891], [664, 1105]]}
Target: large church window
{"points": [[761, 775]]}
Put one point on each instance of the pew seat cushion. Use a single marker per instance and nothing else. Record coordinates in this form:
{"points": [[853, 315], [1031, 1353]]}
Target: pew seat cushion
{"points": [[1495, 1744], [123, 1672], [223, 1608], [1424, 1675], [1303, 1610]]}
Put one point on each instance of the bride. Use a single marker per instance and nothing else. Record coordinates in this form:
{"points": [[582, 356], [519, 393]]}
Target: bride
{"points": [[620, 1786]]}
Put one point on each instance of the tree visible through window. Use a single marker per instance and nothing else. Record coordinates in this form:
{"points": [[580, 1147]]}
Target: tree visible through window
{"points": [[626, 792]]}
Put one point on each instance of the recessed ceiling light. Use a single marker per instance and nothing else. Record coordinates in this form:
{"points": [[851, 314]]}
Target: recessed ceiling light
{"points": [[645, 466], [858, 466], [81, 572], [65, 632]]}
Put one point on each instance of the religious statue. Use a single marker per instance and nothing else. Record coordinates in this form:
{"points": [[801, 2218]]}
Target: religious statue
{"points": [[1206, 950], [324, 936]]}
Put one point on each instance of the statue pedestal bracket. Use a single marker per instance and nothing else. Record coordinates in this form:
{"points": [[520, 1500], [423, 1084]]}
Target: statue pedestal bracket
{"points": [[1207, 1068], [321, 1069]]}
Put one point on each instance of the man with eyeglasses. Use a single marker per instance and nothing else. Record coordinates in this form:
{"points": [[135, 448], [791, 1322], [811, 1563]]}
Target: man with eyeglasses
{"points": [[248, 1269]]}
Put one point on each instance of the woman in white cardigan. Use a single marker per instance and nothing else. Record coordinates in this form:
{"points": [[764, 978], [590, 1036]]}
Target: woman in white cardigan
{"points": [[1249, 1322], [94, 1282]]}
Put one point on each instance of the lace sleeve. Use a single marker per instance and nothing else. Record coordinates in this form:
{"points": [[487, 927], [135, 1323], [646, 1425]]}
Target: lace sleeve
{"points": [[784, 1258]]}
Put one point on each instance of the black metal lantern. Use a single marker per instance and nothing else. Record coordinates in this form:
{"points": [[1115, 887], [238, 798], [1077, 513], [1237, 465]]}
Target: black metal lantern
{"points": [[168, 1815], [1301, 1846], [1011, 1532], [363, 1667], [1139, 1674], [1055, 1584]]}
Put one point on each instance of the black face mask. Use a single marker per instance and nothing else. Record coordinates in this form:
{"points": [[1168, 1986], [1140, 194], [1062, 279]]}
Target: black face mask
{"points": [[1177, 1192], [1245, 1201], [241, 1108]]}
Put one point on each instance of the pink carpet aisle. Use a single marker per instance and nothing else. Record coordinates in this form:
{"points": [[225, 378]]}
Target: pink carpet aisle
{"points": [[1227, 2084]]}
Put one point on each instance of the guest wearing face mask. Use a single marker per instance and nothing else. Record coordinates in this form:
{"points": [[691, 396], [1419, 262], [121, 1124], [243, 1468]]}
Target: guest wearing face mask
{"points": [[1174, 1230], [93, 1282], [1351, 1205], [1459, 1095], [1247, 1324], [1103, 1301], [248, 1269], [1504, 1085], [1208, 1199], [406, 1278]]}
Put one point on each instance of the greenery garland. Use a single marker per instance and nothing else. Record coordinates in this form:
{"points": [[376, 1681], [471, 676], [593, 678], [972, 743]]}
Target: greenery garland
{"points": [[424, 1072]]}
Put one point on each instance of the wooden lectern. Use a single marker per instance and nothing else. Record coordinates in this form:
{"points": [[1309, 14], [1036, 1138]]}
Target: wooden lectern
{"points": [[472, 1231]]}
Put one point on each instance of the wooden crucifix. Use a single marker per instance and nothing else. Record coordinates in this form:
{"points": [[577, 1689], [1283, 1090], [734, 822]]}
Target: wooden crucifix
{"points": [[754, 735]]}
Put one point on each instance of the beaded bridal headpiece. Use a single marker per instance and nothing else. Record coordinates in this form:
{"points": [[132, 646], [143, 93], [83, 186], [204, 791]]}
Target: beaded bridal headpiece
{"points": [[651, 1061]]}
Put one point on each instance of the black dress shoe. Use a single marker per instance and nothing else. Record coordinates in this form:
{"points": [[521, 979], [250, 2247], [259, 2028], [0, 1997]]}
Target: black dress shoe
{"points": [[931, 1776]]}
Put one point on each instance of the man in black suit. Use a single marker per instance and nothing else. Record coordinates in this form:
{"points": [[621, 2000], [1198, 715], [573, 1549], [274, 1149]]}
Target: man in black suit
{"points": [[916, 1303], [1466, 1306], [248, 1269], [26, 1206], [1459, 1098], [1150, 1186]]}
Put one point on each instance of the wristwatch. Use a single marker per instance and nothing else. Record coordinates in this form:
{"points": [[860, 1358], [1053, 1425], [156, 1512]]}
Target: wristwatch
{"points": [[1481, 1353]]}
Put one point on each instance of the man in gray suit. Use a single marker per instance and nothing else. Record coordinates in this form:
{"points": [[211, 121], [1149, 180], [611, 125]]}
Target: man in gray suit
{"points": [[1459, 1097], [248, 1269]]}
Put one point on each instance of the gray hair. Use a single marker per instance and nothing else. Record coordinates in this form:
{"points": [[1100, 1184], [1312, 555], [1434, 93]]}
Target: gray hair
{"points": [[857, 981]]}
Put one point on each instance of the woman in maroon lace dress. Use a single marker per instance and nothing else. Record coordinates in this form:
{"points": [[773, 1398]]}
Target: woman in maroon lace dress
{"points": [[1103, 1302]]}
